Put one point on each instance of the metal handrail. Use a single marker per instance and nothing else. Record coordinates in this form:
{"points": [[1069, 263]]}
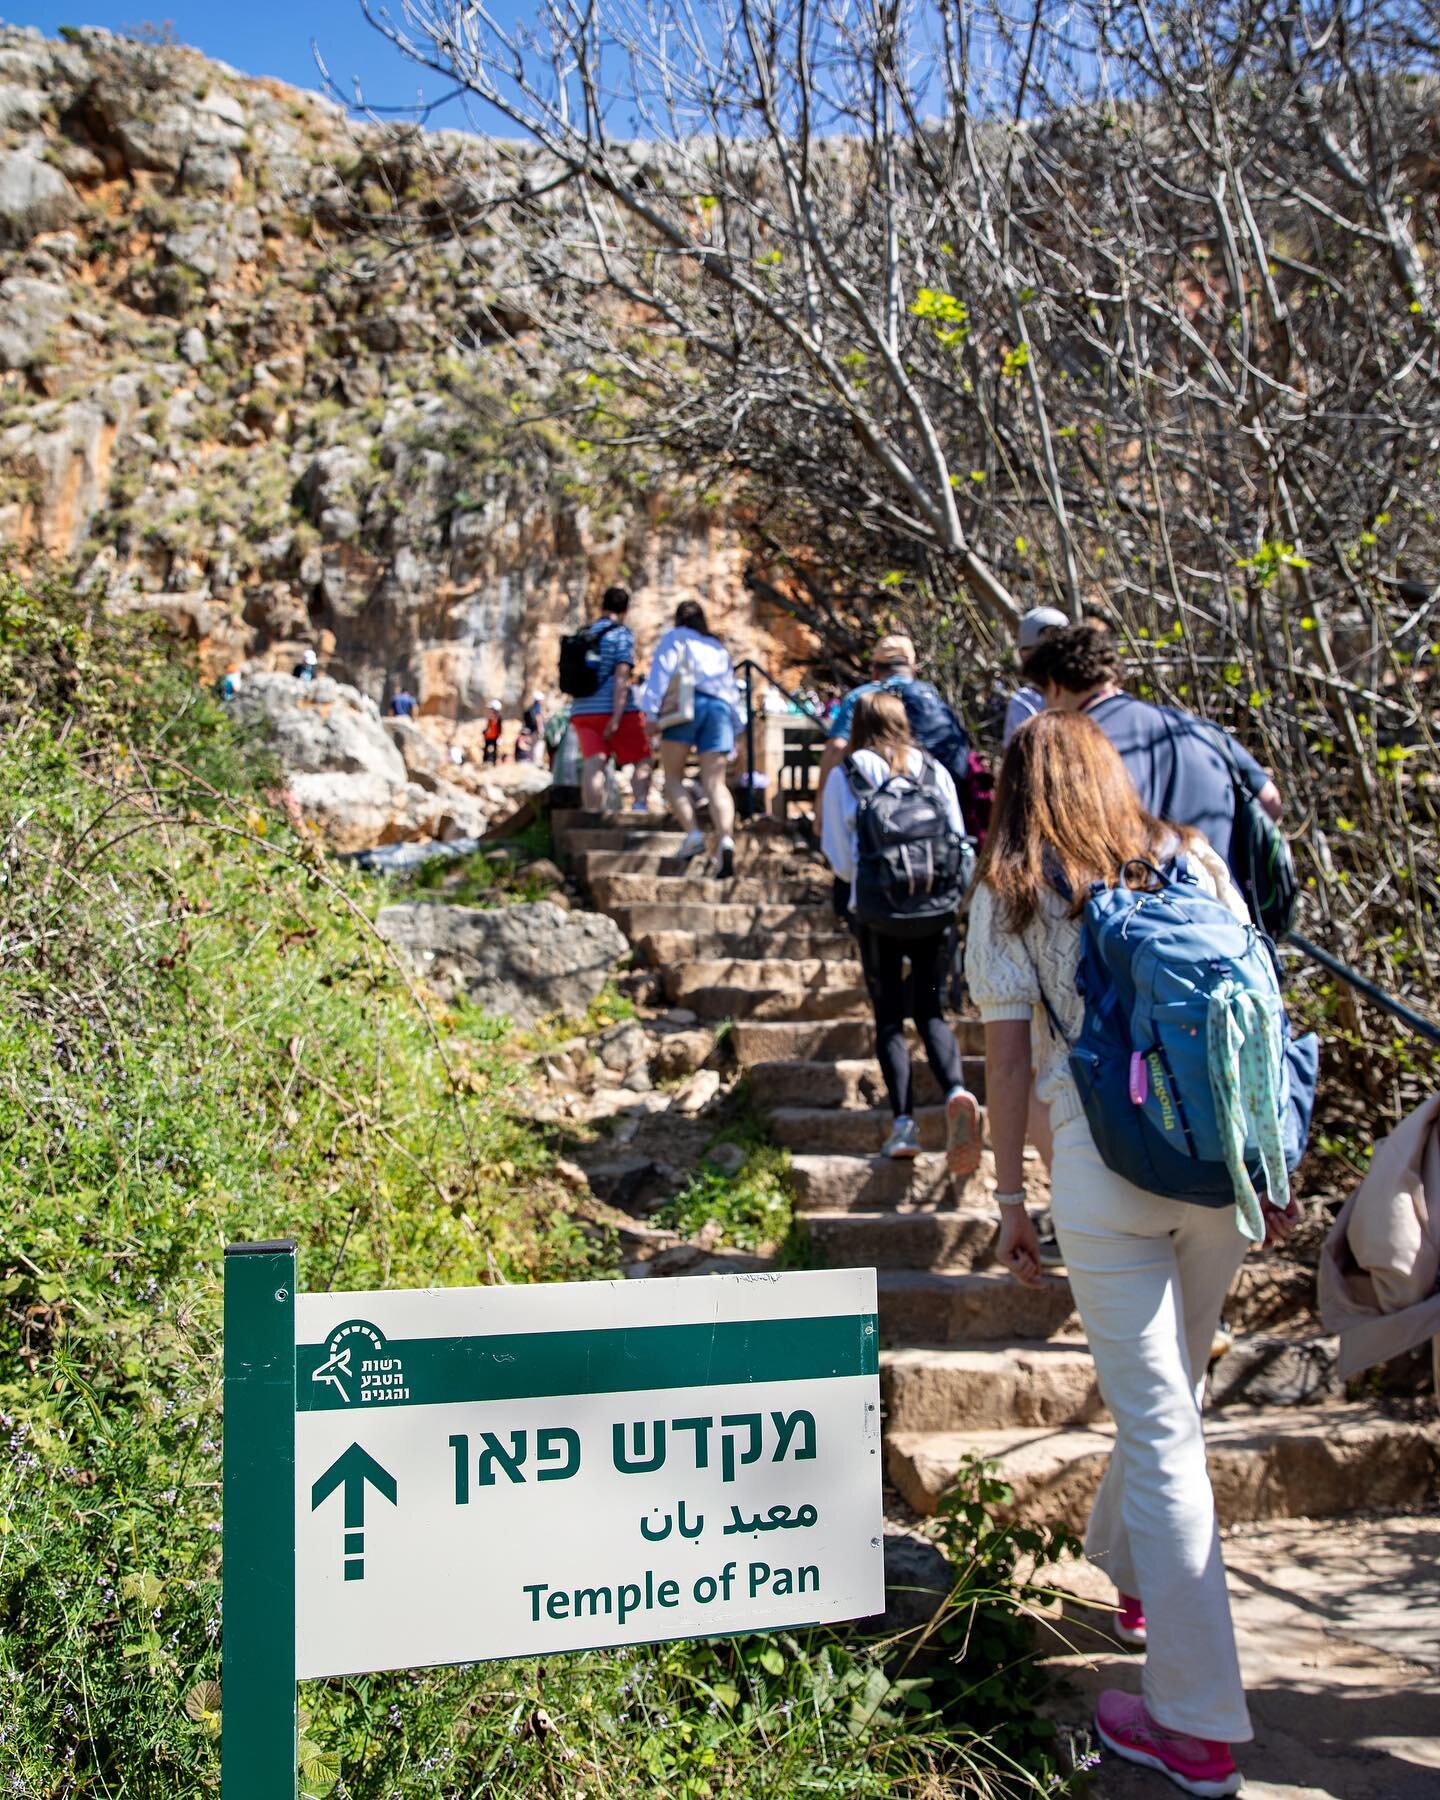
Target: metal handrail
{"points": [[1427, 1028], [750, 668]]}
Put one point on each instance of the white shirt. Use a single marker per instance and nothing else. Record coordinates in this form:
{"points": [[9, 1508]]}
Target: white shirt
{"points": [[714, 673], [1012, 977], [839, 806]]}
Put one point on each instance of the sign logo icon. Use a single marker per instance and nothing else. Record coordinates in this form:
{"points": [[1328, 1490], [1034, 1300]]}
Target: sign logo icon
{"points": [[354, 1470], [359, 1365]]}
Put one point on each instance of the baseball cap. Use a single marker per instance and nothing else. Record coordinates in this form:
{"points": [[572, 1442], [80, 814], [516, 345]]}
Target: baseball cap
{"points": [[895, 648], [1038, 623]]}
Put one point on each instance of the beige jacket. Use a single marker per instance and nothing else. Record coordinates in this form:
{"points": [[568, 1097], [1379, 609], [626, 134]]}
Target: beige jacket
{"points": [[1380, 1269]]}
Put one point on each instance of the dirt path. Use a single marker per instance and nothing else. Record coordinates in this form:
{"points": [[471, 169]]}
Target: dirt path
{"points": [[1339, 1618], [1339, 1626]]}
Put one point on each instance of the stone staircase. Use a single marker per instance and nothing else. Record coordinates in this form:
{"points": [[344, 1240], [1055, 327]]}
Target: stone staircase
{"points": [[972, 1362]]}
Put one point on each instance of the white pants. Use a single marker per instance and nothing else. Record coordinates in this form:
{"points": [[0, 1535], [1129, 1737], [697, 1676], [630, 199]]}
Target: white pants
{"points": [[1149, 1277]]}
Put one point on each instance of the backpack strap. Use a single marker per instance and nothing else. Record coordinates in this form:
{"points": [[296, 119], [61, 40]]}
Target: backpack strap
{"points": [[861, 785], [928, 780]]}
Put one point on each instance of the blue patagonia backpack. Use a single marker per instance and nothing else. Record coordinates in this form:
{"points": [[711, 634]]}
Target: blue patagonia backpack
{"points": [[1191, 1082]]}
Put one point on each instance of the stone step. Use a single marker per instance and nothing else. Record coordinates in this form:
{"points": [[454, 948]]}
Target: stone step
{"points": [[763, 856], [667, 949], [733, 918], [826, 1131], [830, 1041], [565, 820], [937, 1307], [830, 1184], [1314, 1462], [1269, 1292], [932, 1387], [939, 1387], [805, 974], [924, 1307], [762, 988], [851, 1083], [956, 1239], [1277, 1369], [608, 892]]}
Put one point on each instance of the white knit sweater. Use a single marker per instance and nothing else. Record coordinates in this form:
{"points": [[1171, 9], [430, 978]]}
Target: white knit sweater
{"points": [[1006, 975]]}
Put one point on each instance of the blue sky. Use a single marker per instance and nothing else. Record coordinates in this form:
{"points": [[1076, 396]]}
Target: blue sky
{"points": [[266, 37]]}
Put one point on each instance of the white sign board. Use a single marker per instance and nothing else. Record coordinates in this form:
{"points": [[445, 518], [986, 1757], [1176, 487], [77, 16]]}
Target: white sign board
{"points": [[517, 1471]]}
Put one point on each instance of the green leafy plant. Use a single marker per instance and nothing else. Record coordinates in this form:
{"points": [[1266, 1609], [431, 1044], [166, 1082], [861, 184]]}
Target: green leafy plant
{"points": [[993, 1682]]}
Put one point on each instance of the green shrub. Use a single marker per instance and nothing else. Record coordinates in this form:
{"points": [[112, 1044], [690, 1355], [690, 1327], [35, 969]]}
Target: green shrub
{"points": [[202, 1039]]}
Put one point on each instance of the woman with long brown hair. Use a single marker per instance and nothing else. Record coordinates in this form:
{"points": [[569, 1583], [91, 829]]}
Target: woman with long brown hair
{"points": [[881, 752], [1149, 1273]]}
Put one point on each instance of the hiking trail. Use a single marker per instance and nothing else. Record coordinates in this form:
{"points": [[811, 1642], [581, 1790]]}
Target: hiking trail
{"points": [[972, 1362]]}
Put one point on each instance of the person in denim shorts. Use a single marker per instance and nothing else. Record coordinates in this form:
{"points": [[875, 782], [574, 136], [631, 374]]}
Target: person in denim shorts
{"points": [[709, 733]]}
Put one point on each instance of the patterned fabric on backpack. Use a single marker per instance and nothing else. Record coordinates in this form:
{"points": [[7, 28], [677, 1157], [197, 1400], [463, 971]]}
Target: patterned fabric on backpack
{"points": [[1190, 1081]]}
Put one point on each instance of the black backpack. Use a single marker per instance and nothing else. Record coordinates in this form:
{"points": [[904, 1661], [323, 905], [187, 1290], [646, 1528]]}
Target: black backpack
{"points": [[935, 728], [1262, 865], [911, 864], [1260, 859], [579, 676]]}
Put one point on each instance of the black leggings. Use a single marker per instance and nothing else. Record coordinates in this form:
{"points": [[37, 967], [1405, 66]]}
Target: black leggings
{"points": [[893, 997]]}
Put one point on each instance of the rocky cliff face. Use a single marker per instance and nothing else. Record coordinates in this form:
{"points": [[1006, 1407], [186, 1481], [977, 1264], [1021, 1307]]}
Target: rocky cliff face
{"points": [[226, 396]]}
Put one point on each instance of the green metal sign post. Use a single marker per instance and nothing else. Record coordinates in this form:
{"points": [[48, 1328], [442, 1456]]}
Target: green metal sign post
{"points": [[454, 1475], [258, 1758]]}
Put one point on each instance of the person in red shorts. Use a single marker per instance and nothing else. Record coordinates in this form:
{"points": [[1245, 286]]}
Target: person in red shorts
{"points": [[608, 723]]}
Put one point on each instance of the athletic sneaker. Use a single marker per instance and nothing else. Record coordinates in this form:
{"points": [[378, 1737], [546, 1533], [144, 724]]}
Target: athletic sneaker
{"points": [[962, 1132], [694, 843], [1129, 1626], [1199, 1765], [1051, 1255], [903, 1141], [723, 866]]}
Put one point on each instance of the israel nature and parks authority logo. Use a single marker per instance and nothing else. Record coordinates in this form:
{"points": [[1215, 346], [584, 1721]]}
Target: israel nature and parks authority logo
{"points": [[360, 1367]]}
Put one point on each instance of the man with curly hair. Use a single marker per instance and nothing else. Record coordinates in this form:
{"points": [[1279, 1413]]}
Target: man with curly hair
{"points": [[1183, 767]]}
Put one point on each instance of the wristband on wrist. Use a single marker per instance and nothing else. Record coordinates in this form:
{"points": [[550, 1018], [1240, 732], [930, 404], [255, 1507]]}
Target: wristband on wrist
{"points": [[1017, 1199]]}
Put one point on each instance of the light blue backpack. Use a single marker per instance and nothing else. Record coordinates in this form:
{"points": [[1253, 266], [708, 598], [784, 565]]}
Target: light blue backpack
{"points": [[1192, 1084]]}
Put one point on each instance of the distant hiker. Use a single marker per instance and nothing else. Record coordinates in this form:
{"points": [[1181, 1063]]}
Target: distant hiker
{"points": [[230, 683], [693, 702], [403, 704], [533, 717], [494, 725], [933, 726], [306, 668], [595, 669], [888, 813], [1183, 768], [1040, 623], [1149, 1272], [557, 729]]}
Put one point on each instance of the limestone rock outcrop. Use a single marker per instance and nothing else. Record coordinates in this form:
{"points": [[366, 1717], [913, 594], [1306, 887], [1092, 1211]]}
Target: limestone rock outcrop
{"points": [[523, 961], [230, 373], [350, 773]]}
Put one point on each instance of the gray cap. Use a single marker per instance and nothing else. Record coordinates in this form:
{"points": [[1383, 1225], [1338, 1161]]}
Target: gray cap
{"points": [[1038, 623]]}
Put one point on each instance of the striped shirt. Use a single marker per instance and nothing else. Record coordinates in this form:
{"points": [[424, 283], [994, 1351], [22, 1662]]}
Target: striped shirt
{"points": [[611, 648]]}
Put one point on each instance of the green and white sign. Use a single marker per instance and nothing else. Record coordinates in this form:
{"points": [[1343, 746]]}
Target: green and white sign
{"points": [[459, 1474]]}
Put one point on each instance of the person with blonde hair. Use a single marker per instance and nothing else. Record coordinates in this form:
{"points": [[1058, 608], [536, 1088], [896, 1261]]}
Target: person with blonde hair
{"points": [[889, 788], [1149, 1272]]}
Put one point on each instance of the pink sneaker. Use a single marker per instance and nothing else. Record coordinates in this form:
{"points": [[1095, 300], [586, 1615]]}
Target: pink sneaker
{"points": [[1199, 1765], [1129, 1624]]}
